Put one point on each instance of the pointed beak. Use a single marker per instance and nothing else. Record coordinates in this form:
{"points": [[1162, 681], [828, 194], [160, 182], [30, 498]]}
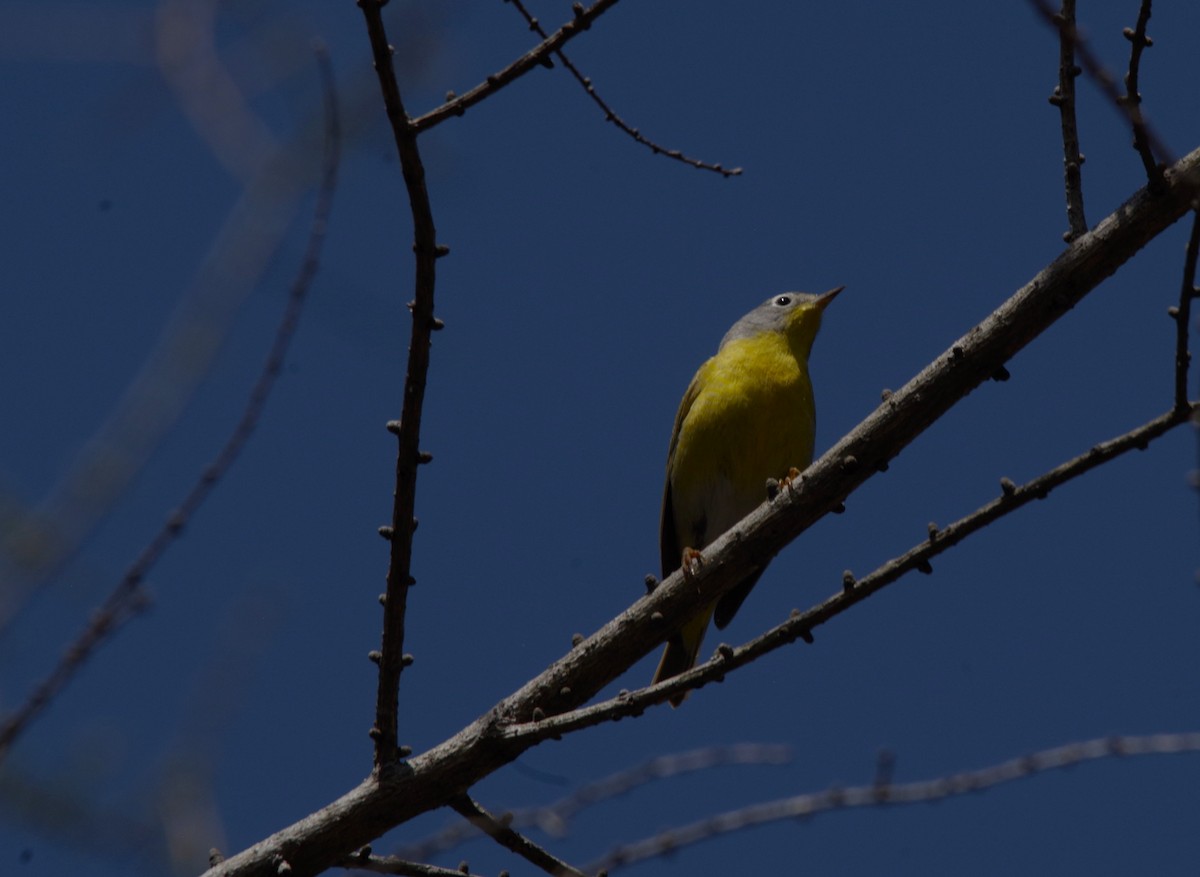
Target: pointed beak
{"points": [[826, 297]]}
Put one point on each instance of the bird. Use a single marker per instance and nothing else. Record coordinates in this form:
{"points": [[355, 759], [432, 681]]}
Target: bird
{"points": [[747, 416]]}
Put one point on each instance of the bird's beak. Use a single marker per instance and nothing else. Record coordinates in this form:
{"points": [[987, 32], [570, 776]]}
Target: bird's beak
{"points": [[826, 297]]}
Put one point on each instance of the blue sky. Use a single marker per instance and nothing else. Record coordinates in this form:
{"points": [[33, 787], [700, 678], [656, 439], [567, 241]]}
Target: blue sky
{"points": [[910, 155]]}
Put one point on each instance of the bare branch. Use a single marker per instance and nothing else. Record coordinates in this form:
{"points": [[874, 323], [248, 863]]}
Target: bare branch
{"points": [[500, 831], [456, 106], [429, 780], [1107, 84], [1133, 98], [127, 599], [1064, 98], [408, 431], [890, 794], [610, 115]]}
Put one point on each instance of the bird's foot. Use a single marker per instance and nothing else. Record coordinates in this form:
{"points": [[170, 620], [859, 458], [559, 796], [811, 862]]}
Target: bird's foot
{"points": [[791, 479]]}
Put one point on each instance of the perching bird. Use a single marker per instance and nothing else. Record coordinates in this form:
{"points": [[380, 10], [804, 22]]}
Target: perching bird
{"points": [[747, 416]]}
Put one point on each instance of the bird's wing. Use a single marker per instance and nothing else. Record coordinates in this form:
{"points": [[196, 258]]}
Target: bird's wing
{"points": [[731, 601], [670, 549]]}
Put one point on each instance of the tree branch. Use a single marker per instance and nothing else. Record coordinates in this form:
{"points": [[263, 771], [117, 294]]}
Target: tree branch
{"points": [[500, 831], [1064, 98], [537, 55], [431, 779], [1133, 98], [391, 658], [1104, 80], [611, 116]]}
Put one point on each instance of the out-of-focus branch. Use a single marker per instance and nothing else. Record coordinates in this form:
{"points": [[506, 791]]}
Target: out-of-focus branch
{"points": [[610, 115], [536, 56], [889, 794], [554, 818], [179, 38], [128, 599]]}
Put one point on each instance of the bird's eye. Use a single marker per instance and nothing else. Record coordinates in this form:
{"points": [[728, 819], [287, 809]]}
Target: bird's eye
{"points": [[783, 301]]}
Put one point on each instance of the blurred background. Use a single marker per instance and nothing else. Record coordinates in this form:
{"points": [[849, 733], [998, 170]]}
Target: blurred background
{"points": [[158, 183]]}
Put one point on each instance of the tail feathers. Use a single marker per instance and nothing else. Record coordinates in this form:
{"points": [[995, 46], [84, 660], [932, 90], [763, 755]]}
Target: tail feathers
{"points": [[676, 658], [680, 654], [682, 649]]}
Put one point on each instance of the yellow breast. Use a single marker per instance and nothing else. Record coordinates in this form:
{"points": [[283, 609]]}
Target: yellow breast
{"points": [[751, 417]]}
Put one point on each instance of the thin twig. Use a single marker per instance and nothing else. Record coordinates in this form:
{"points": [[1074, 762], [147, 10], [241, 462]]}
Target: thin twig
{"points": [[408, 430], [128, 599], [500, 831], [456, 106], [554, 818], [891, 794], [364, 861], [1183, 313], [1133, 98], [1064, 98], [610, 115], [801, 624], [1107, 84]]}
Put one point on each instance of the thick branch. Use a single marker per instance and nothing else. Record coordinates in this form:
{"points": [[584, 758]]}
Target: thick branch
{"points": [[435, 777]]}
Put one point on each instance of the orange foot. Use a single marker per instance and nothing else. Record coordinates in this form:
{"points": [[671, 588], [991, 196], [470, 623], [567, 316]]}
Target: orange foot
{"points": [[791, 477], [692, 560]]}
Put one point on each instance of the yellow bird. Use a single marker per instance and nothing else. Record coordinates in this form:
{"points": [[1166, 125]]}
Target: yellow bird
{"points": [[748, 415]]}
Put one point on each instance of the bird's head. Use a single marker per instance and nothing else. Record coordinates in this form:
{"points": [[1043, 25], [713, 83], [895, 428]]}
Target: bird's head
{"points": [[796, 315]]}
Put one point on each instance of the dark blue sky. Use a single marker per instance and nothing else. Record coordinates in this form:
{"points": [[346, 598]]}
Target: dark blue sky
{"points": [[158, 185]]}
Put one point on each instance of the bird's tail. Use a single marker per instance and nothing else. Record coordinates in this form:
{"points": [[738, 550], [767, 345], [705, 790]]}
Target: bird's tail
{"points": [[680, 654]]}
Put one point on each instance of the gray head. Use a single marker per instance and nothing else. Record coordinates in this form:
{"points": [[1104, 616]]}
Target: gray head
{"points": [[796, 314]]}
